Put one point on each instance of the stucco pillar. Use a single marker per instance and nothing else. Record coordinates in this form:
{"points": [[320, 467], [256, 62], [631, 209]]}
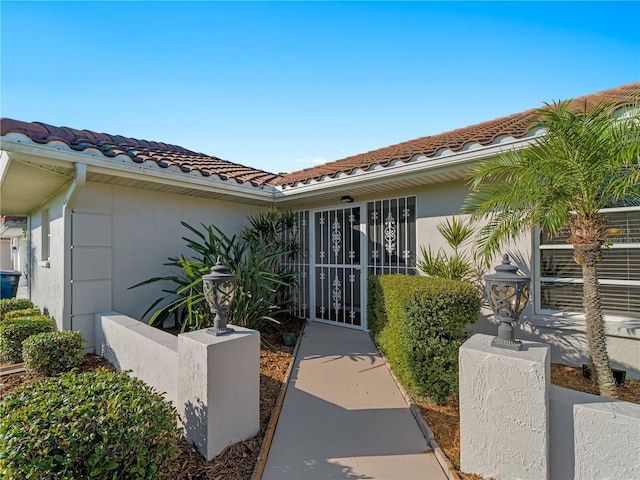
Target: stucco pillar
{"points": [[504, 410], [219, 388], [607, 440]]}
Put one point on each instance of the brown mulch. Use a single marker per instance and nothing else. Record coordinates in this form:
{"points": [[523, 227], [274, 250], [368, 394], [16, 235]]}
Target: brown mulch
{"points": [[237, 461], [444, 420], [571, 377]]}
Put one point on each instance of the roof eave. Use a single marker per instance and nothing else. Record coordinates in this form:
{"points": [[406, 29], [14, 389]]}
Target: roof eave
{"points": [[55, 154], [419, 165]]}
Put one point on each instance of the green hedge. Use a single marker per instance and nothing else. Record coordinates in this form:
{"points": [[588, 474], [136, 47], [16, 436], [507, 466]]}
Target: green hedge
{"points": [[10, 304], [96, 424], [14, 331], [52, 353], [419, 324], [26, 312]]}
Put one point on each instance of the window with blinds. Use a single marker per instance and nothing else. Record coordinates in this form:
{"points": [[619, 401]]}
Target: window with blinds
{"points": [[559, 282]]}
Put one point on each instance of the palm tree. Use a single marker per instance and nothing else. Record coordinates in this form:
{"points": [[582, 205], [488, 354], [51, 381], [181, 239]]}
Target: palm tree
{"points": [[587, 160]]}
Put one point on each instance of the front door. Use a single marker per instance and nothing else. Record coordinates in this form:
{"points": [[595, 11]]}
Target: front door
{"points": [[338, 241]]}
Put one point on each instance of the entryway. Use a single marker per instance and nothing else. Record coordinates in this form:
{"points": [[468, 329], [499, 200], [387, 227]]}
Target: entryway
{"points": [[342, 246], [337, 240]]}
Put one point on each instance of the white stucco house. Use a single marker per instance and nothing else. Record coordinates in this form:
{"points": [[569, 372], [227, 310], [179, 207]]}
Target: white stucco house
{"points": [[104, 213]]}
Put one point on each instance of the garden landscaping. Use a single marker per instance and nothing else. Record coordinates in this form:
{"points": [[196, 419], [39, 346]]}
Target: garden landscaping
{"points": [[236, 461]]}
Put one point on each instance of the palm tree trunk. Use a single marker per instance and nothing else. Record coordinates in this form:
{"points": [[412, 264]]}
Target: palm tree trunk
{"points": [[588, 256]]}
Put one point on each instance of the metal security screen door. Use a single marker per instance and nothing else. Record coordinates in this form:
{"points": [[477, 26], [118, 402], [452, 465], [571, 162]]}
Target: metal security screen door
{"points": [[338, 240]]}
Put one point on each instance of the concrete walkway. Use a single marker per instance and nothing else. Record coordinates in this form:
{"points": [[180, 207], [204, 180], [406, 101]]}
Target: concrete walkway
{"points": [[344, 417]]}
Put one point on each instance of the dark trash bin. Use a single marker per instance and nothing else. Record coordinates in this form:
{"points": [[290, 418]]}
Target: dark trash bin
{"points": [[9, 280]]}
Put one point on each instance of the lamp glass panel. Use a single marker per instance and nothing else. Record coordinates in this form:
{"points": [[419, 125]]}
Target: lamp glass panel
{"points": [[224, 293], [502, 296], [524, 297], [207, 287]]}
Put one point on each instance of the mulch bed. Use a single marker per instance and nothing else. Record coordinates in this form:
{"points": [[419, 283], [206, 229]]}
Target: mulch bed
{"points": [[237, 461], [444, 420]]}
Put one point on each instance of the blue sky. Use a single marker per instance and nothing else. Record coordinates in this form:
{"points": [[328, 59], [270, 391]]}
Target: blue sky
{"points": [[283, 86]]}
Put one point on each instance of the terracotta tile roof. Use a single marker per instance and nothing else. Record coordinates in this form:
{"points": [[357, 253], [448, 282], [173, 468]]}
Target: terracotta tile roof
{"points": [[165, 155], [516, 126], [139, 151]]}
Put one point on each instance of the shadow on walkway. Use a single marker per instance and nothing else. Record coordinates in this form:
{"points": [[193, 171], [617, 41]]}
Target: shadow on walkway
{"points": [[344, 417]]}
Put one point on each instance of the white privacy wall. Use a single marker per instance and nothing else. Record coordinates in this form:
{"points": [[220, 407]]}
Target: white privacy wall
{"points": [[515, 425], [123, 236], [215, 408]]}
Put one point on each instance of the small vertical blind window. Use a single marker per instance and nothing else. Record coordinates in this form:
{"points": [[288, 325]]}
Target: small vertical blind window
{"points": [[46, 234], [560, 278]]}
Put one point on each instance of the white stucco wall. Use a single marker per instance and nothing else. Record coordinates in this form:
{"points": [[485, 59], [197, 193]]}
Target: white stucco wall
{"points": [[566, 336], [47, 284], [122, 236], [514, 424], [607, 441], [503, 410], [192, 370], [150, 353], [561, 430]]}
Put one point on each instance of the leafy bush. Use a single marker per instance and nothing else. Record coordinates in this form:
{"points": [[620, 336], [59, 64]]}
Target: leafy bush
{"points": [[10, 304], [420, 323], [14, 331], [27, 312], [52, 353], [92, 425], [253, 256]]}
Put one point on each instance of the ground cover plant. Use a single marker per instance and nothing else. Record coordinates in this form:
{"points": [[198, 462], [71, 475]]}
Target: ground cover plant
{"points": [[98, 424], [14, 331], [27, 312], [11, 304], [51, 353]]}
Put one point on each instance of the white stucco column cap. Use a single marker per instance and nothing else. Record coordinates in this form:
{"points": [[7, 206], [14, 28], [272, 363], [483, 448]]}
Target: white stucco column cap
{"points": [[532, 351], [201, 336]]}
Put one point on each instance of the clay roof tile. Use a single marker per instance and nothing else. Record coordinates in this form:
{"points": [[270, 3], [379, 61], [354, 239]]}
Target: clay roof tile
{"points": [[517, 126]]}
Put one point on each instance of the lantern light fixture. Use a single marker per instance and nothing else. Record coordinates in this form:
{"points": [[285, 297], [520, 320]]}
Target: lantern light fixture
{"points": [[219, 288], [508, 294]]}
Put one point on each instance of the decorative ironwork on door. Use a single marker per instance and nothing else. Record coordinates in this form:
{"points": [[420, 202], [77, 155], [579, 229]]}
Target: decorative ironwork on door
{"points": [[337, 266], [299, 265], [337, 258], [391, 235]]}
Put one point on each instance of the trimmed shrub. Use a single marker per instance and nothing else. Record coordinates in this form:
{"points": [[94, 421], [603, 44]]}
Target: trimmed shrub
{"points": [[52, 353], [14, 331], [27, 312], [92, 425], [10, 304], [420, 323]]}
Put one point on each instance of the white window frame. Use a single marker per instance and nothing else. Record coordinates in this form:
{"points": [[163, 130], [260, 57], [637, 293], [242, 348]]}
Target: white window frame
{"points": [[577, 316]]}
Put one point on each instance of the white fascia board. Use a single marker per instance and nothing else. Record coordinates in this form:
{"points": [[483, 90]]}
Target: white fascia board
{"points": [[124, 167], [4, 165], [430, 165]]}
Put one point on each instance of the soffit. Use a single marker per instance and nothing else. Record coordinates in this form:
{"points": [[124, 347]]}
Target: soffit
{"points": [[27, 185]]}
